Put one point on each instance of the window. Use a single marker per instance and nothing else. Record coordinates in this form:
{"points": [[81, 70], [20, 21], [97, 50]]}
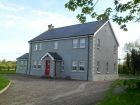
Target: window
{"points": [[39, 64], [81, 65], [39, 46], [75, 43], [98, 65], [36, 46], [21, 62], [115, 67], [74, 65], [98, 43], [62, 64], [35, 64], [56, 45], [115, 49], [107, 68], [82, 43]]}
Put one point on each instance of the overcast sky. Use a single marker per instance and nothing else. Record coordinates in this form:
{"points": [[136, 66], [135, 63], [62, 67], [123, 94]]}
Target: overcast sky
{"points": [[22, 20]]}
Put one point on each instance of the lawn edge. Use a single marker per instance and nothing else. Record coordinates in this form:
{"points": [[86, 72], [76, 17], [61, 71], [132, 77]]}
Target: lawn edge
{"points": [[4, 89]]}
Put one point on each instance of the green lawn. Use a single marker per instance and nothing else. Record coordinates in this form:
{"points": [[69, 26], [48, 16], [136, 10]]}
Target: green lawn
{"points": [[130, 96], [7, 72], [3, 82]]}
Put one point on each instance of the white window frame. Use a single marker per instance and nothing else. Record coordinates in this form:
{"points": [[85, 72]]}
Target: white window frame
{"points": [[55, 44], [75, 43], [39, 46], [82, 64], [35, 64], [35, 47], [74, 64], [98, 43], [39, 64], [98, 67], [82, 42]]}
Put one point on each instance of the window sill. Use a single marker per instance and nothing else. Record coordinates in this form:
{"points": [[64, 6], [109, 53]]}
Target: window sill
{"points": [[74, 70], [107, 72], [98, 72]]}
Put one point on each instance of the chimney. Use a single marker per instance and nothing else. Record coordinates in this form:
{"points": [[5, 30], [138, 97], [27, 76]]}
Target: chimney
{"points": [[50, 27]]}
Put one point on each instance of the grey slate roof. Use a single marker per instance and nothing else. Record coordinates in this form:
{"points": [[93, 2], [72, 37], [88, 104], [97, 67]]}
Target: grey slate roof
{"points": [[24, 56], [70, 31], [55, 55]]}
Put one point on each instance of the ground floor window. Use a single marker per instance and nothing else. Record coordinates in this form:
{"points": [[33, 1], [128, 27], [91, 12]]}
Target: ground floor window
{"points": [[39, 64], [35, 64], [98, 66], [74, 65], [81, 66], [62, 66]]}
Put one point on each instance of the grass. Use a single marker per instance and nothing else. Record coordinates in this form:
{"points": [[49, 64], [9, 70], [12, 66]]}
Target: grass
{"points": [[130, 95], [7, 72], [3, 82]]}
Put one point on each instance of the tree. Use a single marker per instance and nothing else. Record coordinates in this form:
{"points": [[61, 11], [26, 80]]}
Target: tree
{"points": [[120, 13]]}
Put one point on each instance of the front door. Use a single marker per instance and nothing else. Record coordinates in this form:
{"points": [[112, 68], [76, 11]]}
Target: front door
{"points": [[47, 69]]}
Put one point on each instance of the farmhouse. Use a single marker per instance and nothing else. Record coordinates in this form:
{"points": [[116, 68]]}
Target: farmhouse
{"points": [[86, 51]]}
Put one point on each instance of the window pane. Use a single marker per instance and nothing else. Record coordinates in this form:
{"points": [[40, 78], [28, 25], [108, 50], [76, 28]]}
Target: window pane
{"points": [[55, 45], [82, 43], [35, 64], [81, 65], [107, 67], [75, 43], [74, 65], [35, 47], [39, 64], [39, 46], [98, 65]]}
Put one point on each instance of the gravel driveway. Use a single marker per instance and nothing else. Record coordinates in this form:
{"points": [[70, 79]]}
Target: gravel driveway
{"points": [[26, 90]]}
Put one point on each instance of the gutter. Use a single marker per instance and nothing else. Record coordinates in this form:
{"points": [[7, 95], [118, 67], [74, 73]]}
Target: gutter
{"points": [[88, 61]]}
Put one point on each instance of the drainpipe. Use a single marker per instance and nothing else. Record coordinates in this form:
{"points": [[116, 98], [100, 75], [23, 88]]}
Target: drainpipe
{"points": [[88, 60], [30, 51]]}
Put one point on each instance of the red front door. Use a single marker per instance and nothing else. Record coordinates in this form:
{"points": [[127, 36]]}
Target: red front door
{"points": [[47, 69]]}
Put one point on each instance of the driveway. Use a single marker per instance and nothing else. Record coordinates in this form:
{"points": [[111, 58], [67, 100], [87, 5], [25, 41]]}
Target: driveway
{"points": [[26, 90]]}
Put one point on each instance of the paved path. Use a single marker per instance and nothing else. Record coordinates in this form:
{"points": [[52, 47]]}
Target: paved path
{"points": [[36, 91]]}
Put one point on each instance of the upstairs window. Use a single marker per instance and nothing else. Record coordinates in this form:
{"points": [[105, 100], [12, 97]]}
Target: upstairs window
{"points": [[98, 43], [82, 43], [115, 49], [56, 45], [75, 43], [37, 46], [74, 65], [81, 65], [98, 67]]}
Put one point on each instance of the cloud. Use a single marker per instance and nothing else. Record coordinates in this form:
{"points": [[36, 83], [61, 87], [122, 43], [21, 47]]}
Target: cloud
{"points": [[46, 18], [11, 7], [9, 23], [9, 16]]}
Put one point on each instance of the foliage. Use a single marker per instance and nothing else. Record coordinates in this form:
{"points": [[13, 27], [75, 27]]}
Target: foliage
{"points": [[130, 95], [3, 82], [7, 65], [120, 13]]}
